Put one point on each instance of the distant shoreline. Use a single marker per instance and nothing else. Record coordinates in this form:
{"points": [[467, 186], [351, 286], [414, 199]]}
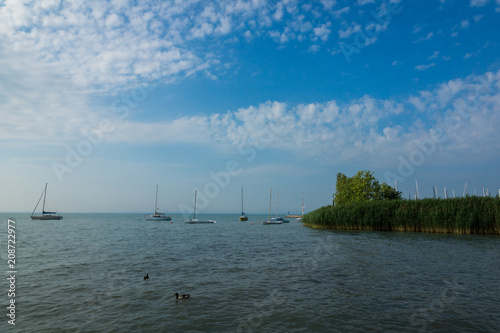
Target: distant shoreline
{"points": [[470, 215]]}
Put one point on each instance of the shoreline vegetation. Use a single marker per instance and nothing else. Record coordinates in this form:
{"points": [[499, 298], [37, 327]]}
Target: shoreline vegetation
{"points": [[469, 215]]}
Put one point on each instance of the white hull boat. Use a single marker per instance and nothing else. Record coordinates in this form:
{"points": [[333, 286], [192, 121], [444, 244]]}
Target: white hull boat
{"points": [[194, 220], [269, 219], [157, 216]]}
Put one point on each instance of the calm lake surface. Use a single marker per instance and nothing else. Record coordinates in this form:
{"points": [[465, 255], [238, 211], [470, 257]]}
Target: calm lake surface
{"points": [[85, 272]]}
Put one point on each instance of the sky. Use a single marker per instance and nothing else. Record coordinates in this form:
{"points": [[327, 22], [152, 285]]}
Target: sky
{"points": [[104, 100]]}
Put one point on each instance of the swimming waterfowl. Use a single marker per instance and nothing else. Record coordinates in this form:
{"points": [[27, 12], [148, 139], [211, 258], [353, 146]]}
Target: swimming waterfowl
{"points": [[146, 277], [177, 296]]}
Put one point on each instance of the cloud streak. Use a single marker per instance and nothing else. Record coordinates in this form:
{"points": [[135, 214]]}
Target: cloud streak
{"points": [[330, 132]]}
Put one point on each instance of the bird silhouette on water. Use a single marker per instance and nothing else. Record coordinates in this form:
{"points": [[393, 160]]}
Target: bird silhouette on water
{"points": [[177, 296], [146, 277]]}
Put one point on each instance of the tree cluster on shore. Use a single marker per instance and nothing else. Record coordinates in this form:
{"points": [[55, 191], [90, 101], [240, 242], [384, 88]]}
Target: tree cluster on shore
{"points": [[363, 186]]}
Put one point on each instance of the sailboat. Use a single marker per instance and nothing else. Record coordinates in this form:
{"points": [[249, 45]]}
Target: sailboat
{"points": [[157, 216], [45, 215], [194, 220], [277, 218], [243, 217], [269, 219], [299, 219]]}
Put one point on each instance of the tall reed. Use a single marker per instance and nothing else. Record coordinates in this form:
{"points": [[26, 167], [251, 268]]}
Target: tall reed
{"points": [[470, 215]]}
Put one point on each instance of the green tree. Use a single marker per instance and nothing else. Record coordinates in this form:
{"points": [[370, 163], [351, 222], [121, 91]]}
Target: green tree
{"points": [[363, 186]]}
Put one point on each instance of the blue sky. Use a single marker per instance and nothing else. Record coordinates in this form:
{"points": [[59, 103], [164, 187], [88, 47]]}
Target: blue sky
{"points": [[106, 99]]}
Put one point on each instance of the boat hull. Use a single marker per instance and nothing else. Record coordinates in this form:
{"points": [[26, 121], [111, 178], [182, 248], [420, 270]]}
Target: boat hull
{"points": [[243, 218], [196, 221], [46, 217], [272, 222], [279, 219], [159, 218]]}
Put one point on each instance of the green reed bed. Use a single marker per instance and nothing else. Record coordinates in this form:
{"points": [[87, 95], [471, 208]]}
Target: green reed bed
{"points": [[470, 215]]}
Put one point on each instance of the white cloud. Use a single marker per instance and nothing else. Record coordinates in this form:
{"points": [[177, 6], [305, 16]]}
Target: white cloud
{"points": [[88, 44], [202, 30], [478, 18], [338, 13], [434, 55], [478, 3], [333, 132], [328, 4], [314, 48], [323, 31], [427, 37], [349, 31], [118, 44], [39, 105], [464, 24], [424, 67], [36, 112], [100, 45], [364, 2]]}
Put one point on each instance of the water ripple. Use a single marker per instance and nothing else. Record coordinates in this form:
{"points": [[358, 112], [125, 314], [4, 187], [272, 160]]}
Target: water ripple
{"points": [[84, 274]]}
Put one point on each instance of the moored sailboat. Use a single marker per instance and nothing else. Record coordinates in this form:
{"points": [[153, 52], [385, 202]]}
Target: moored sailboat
{"points": [[278, 218], [194, 220], [269, 219], [243, 217], [157, 216], [45, 215]]}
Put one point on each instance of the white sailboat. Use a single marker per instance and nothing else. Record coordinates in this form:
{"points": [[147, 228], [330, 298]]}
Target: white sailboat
{"points": [[299, 219], [243, 217], [269, 219], [45, 215], [278, 218], [157, 216], [194, 220]]}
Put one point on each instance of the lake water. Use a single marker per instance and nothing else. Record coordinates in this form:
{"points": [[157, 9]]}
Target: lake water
{"points": [[85, 274]]}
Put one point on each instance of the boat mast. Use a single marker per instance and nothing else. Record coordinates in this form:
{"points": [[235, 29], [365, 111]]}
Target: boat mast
{"points": [[416, 190], [302, 203], [270, 197], [277, 203], [242, 211], [44, 196], [194, 214], [39, 200], [156, 202]]}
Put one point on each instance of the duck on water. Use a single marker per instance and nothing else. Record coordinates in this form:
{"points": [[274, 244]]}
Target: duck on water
{"points": [[185, 296]]}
